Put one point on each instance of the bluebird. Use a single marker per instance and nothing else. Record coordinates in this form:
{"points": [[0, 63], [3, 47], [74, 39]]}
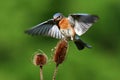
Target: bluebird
{"points": [[69, 28]]}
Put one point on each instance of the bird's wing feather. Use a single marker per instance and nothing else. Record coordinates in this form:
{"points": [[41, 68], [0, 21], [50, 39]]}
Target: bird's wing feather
{"points": [[82, 22], [47, 28]]}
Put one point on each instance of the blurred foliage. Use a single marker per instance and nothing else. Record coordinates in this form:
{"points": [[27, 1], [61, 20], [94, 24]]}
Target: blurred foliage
{"points": [[102, 62]]}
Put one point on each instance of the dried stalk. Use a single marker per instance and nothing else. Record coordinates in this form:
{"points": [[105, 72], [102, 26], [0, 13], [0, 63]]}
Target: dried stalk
{"points": [[41, 73], [55, 73]]}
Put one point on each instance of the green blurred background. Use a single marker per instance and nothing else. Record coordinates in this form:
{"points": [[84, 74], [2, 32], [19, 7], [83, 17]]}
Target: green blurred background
{"points": [[102, 62]]}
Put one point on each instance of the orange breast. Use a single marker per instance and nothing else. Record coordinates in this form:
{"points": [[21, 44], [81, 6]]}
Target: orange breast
{"points": [[64, 23]]}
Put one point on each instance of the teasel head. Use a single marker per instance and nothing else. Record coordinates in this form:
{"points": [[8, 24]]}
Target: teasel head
{"points": [[60, 52], [40, 59]]}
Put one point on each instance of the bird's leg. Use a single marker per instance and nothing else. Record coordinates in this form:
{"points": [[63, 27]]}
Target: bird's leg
{"points": [[72, 38]]}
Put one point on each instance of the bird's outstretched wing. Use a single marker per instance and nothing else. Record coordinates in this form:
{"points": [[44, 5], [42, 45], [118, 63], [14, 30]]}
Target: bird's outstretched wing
{"points": [[47, 28], [82, 22]]}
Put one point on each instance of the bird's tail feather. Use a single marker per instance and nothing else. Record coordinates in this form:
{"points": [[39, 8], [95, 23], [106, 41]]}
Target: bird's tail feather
{"points": [[81, 45]]}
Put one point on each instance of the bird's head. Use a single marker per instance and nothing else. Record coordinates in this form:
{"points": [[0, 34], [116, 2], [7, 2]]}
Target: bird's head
{"points": [[58, 16]]}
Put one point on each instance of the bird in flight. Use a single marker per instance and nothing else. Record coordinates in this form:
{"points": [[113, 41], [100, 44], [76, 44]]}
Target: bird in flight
{"points": [[69, 28]]}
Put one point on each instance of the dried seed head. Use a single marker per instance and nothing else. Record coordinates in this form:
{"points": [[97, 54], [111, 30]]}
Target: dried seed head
{"points": [[60, 52], [40, 59]]}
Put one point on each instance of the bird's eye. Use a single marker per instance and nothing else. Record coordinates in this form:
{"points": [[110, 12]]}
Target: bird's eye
{"points": [[59, 16]]}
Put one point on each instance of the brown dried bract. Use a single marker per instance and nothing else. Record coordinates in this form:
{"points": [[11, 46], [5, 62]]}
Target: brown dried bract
{"points": [[40, 59], [60, 52]]}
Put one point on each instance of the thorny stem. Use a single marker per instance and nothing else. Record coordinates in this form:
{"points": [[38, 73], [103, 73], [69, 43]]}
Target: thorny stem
{"points": [[55, 72], [41, 73]]}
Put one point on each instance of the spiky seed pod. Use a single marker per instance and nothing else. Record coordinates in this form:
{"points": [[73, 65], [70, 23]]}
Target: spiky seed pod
{"points": [[40, 59], [60, 52]]}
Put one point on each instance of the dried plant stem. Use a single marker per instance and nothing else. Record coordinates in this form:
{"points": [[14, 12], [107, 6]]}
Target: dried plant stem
{"points": [[41, 73], [55, 72]]}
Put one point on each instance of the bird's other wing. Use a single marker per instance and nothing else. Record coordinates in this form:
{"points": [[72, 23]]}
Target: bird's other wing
{"points": [[82, 22], [47, 28]]}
